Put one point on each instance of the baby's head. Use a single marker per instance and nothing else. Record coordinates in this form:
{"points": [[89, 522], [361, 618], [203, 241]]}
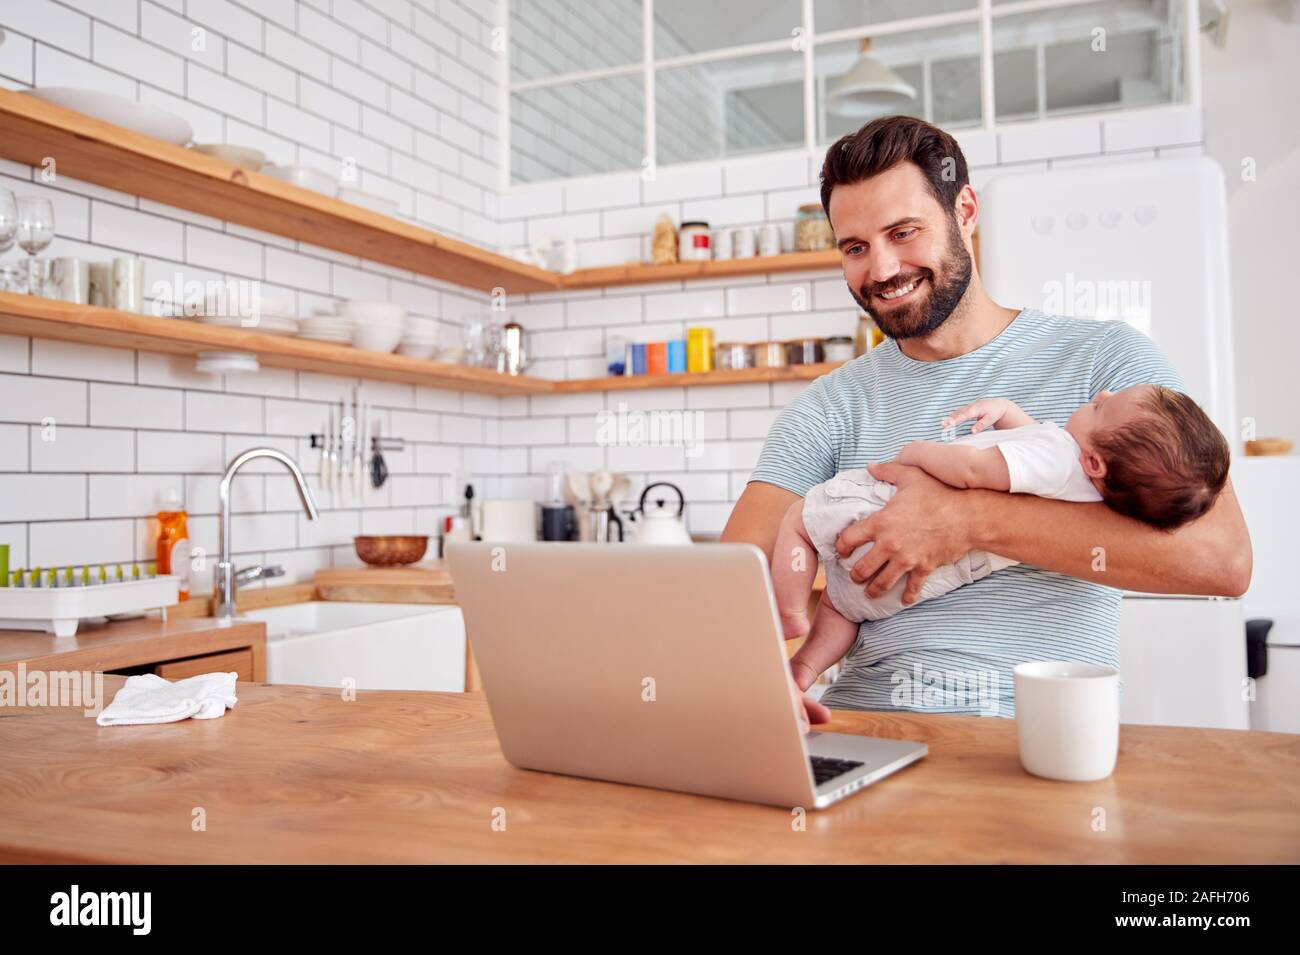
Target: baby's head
{"points": [[1152, 453]]}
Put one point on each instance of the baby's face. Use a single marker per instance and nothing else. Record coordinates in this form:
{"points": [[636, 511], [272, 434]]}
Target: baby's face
{"points": [[1106, 411]]}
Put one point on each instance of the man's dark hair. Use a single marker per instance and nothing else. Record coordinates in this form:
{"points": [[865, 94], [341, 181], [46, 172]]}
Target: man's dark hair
{"points": [[884, 143], [1167, 467]]}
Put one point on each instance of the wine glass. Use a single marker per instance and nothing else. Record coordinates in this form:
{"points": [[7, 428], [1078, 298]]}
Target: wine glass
{"points": [[8, 219], [35, 232]]}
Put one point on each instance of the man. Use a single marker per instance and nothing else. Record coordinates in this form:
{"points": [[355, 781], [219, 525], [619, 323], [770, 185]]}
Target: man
{"points": [[903, 212]]}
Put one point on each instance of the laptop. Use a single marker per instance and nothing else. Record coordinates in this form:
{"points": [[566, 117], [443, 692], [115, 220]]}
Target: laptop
{"points": [[651, 665]]}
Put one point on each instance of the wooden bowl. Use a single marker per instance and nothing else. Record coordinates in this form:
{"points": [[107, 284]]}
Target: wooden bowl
{"points": [[390, 550], [1268, 446]]}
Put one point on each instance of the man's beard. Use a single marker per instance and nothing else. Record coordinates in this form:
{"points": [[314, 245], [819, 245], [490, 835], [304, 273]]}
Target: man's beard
{"points": [[916, 319]]}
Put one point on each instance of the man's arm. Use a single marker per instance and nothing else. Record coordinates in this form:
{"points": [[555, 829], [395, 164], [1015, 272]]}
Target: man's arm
{"points": [[928, 524], [959, 465], [756, 518]]}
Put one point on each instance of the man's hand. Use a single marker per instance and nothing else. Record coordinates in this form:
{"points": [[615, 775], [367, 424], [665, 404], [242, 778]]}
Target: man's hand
{"points": [[922, 528], [810, 711]]}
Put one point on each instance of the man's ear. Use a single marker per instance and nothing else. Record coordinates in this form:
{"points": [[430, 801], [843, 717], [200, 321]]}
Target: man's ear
{"points": [[1094, 465], [967, 210]]}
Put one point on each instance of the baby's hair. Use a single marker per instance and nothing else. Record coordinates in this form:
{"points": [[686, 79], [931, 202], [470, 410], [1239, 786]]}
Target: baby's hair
{"points": [[1167, 467]]}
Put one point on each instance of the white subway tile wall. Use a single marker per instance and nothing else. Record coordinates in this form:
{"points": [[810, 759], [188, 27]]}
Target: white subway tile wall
{"points": [[89, 437]]}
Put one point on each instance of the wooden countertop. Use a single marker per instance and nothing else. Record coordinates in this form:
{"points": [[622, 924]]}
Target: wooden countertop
{"points": [[296, 774], [126, 643]]}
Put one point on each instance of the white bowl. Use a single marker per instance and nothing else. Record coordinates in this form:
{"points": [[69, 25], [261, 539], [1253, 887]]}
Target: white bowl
{"points": [[139, 117], [377, 339], [372, 312]]}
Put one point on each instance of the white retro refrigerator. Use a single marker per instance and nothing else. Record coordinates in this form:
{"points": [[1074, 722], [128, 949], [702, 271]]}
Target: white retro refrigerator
{"points": [[1143, 242]]}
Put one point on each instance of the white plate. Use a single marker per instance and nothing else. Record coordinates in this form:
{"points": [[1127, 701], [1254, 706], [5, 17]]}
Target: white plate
{"points": [[140, 117], [303, 176], [244, 156]]}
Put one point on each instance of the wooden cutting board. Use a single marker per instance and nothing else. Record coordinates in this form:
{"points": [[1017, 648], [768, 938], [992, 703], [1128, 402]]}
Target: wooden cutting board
{"points": [[428, 582]]}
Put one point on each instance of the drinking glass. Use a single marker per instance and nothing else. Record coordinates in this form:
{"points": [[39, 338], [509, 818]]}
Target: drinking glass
{"points": [[35, 233], [8, 219]]}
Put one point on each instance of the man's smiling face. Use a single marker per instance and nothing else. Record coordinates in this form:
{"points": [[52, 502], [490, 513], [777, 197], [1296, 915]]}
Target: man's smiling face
{"points": [[903, 254]]}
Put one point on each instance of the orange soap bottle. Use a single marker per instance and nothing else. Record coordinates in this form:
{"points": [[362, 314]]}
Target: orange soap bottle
{"points": [[173, 541]]}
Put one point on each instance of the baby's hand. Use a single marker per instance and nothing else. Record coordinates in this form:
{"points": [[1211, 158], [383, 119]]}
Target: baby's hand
{"points": [[986, 412]]}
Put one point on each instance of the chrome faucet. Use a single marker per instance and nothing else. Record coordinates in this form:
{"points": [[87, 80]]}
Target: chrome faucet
{"points": [[226, 577]]}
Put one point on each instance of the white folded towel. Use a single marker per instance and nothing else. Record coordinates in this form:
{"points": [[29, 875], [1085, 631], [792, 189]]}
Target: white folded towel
{"points": [[151, 699]]}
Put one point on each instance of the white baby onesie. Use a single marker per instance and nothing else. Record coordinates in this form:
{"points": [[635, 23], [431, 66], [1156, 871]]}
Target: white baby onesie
{"points": [[1042, 459]]}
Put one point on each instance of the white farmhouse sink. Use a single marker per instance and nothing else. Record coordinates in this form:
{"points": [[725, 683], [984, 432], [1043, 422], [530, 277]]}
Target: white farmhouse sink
{"points": [[376, 646]]}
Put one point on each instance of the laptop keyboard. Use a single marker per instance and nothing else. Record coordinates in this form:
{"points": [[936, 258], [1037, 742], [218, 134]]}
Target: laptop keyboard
{"points": [[826, 768]]}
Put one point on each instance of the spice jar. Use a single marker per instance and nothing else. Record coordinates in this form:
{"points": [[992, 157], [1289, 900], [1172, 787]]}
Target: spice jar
{"points": [[693, 242], [804, 351], [769, 355], [699, 349], [838, 348], [732, 355], [812, 230]]}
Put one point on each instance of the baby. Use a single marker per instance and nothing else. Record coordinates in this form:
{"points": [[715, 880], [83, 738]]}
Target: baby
{"points": [[1147, 451]]}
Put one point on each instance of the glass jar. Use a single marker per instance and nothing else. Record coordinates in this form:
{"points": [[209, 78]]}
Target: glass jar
{"points": [[769, 355], [13, 276], [812, 230], [693, 242], [838, 348], [729, 356], [804, 351]]}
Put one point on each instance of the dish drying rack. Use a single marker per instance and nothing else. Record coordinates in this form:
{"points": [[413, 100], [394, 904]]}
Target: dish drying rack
{"points": [[59, 610]]}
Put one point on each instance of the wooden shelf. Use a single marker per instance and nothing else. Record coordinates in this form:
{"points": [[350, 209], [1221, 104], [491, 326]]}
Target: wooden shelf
{"points": [[66, 321], [95, 151], [108, 155], [47, 318], [607, 276], [695, 379]]}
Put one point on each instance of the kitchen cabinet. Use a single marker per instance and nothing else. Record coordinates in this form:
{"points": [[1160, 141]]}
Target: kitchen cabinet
{"points": [[239, 661], [173, 649]]}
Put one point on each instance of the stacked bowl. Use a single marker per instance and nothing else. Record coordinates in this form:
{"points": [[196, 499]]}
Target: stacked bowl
{"points": [[420, 339], [376, 326]]}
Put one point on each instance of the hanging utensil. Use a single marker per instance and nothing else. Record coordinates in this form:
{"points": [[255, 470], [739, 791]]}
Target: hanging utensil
{"points": [[378, 467]]}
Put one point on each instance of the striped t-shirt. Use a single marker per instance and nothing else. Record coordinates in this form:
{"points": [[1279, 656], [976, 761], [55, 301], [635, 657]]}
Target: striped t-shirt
{"points": [[955, 653]]}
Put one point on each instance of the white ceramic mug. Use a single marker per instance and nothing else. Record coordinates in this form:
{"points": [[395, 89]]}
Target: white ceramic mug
{"points": [[71, 280], [1067, 719], [128, 284]]}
